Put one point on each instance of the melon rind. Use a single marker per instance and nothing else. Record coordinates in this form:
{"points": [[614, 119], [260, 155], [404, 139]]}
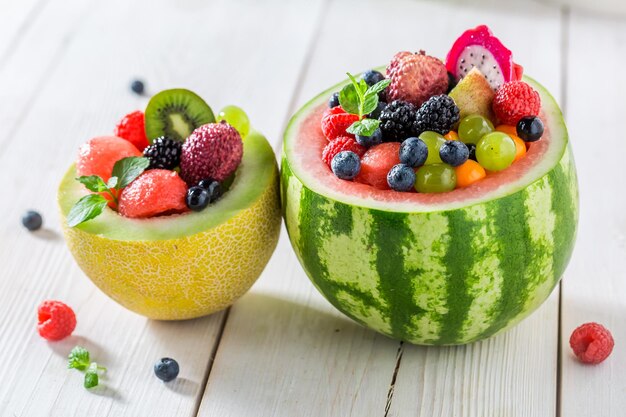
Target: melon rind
{"points": [[440, 274], [183, 266]]}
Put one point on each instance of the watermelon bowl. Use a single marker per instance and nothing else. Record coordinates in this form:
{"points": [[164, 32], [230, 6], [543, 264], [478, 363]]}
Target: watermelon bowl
{"points": [[433, 269], [183, 266]]}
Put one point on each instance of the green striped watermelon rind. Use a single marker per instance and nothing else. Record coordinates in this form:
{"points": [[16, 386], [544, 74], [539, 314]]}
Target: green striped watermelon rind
{"points": [[442, 277]]}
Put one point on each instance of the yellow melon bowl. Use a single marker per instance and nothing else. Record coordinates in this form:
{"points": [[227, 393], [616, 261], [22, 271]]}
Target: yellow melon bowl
{"points": [[188, 265]]}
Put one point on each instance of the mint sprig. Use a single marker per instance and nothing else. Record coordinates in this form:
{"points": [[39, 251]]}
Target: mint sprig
{"points": [[79, 359], [125, 171], [360, 99]]}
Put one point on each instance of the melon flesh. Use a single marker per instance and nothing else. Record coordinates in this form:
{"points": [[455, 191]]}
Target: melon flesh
{"points": [[434, 269], [184, 265]]}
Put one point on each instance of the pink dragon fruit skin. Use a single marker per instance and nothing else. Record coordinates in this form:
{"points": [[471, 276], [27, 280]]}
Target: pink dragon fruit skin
{"points": [[479, 48]]}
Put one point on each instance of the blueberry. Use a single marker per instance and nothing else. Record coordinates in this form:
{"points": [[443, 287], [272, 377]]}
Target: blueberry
{"points": [[346, 165], [472, 151], [166, 369], [413, 152], [197, 198], [378, 110], [32, 220], [213, 187], [454, 152], [401, 177], [333, 101], [530, 128], [374, 139], [371, 77], [137, 86]]}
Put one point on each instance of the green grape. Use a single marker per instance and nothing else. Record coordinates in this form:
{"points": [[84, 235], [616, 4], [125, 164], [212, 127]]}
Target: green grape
{"points": [[436, 178], [495, 151], [474, 127], [434, 141], [237, 118]]}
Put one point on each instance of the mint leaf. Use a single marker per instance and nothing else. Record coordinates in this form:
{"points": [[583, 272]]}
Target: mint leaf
{"points": [[91, 376], [378, 87], [370, 102], [112, 183], [78, 358], [349, 99], [365, 127], [93, 183], [85, 209], [128, 169]]}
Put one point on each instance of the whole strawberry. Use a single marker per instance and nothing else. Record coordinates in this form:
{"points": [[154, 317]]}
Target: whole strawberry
{"points": [[416, 77], [515, 100]]}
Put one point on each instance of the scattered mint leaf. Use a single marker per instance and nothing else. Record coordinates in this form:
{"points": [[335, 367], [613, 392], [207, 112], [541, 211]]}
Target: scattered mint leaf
{"points": [[112, 183], [93, 183], [378, 87], [128, 169], [349, 99], [365, 127], [78, 358], [85, 209], [91, 376]]}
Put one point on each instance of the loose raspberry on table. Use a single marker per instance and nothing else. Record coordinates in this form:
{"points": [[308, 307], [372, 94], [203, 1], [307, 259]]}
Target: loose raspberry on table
{"points": [[342, 143], [132, 128], [55, 320], [515, 100], [592, 343], [335, 121]]}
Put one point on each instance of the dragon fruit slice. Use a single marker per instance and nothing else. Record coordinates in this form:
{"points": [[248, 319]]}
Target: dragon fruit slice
{"points": [[478, 48]]}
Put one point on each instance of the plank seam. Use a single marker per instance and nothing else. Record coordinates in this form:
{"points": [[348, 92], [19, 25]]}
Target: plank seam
{"points": [[304, 70], [207, 373], [565, 33], [394, 376], [30, 17]]}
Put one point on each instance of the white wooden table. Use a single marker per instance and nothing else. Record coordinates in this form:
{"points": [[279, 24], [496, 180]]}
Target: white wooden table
{"points": [[282, 350]]}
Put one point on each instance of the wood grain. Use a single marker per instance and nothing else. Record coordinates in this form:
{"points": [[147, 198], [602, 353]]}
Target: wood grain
{"points": [[282, 335], [82, 95], [594, 288]]}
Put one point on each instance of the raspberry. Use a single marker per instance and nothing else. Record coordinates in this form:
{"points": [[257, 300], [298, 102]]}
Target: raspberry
{"points": [[212, 151], [335, 121], [515, 100], [55, 320], [155, 192], [342, 143], [592, 343], [132, 128]]}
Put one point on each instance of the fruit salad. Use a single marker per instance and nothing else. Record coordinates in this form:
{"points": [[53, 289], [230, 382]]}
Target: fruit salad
{"points": [[434, 201], [175, 214], [431, 127]]}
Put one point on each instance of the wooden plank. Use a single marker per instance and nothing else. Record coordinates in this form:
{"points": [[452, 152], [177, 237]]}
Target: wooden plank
{"points": [[15, 19], [594, 287], [281, 336], [168, 44]]}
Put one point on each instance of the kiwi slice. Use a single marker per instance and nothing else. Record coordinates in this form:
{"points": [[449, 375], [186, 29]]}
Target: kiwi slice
{"points": [[176, 113]]}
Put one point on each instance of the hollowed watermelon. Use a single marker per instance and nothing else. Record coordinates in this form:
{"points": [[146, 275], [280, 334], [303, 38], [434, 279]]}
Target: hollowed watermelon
{"points": [[435, 269]]}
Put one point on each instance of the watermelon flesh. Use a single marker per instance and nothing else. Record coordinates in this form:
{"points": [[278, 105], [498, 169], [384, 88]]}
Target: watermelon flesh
{"points": [[434, 269]]}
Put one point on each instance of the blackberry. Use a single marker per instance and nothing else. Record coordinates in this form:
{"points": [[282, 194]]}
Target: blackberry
{"points": [[398, 122], [164, 153], [437, 114]]}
